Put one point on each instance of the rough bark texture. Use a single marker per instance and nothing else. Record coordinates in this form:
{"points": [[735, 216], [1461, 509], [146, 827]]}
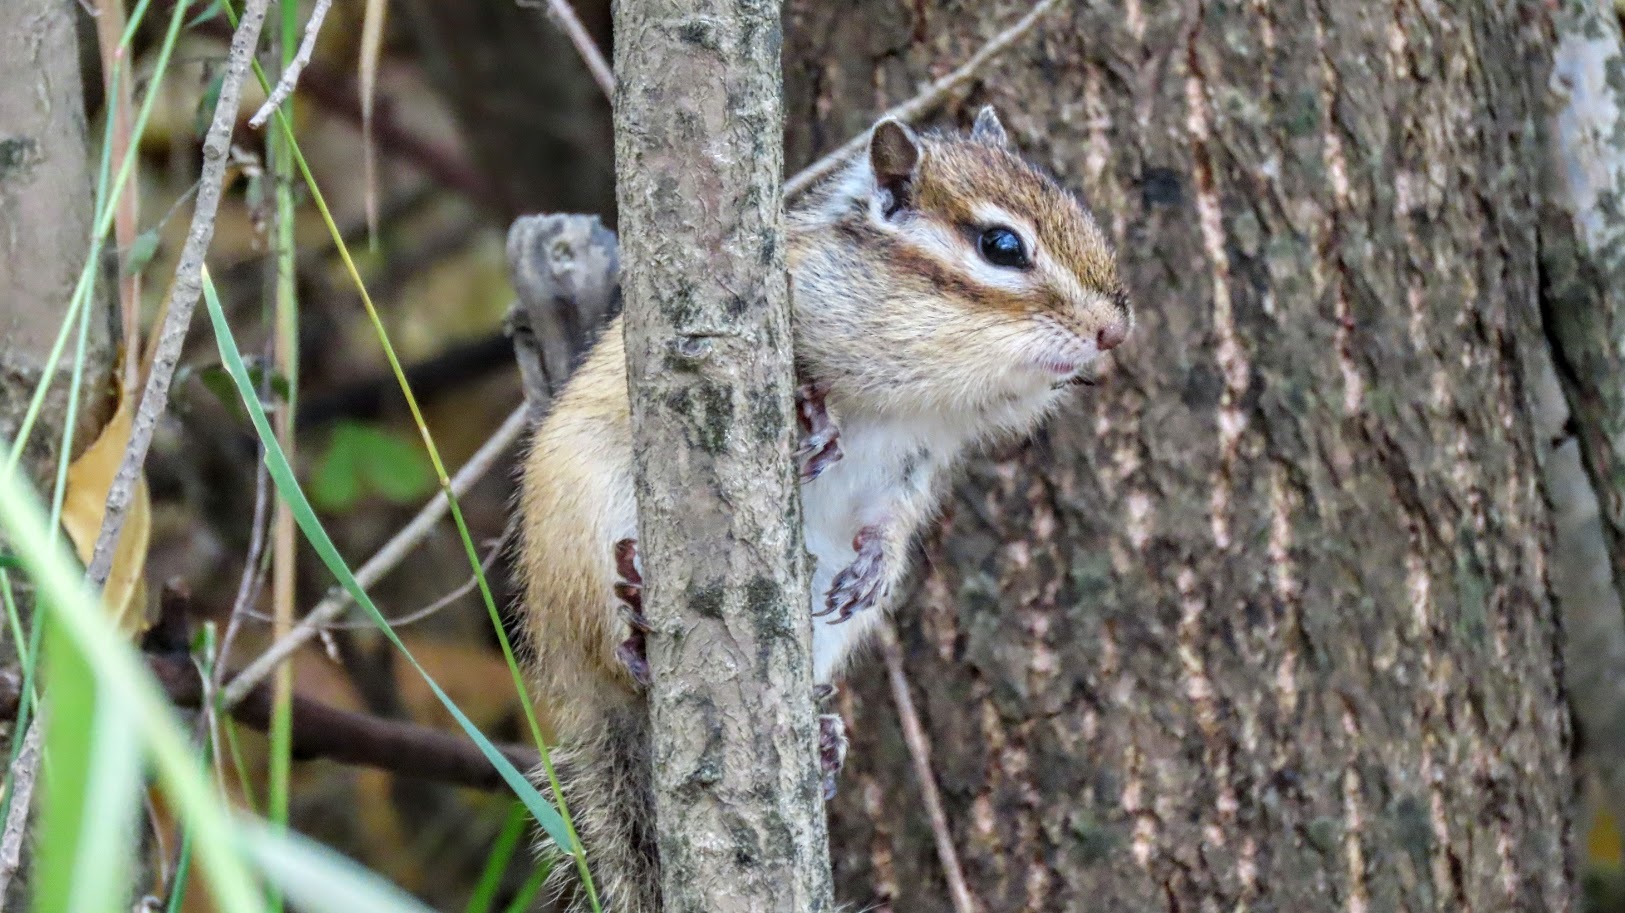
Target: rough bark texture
{"points": [[1261, 624], [699, 167], [45, 213]]}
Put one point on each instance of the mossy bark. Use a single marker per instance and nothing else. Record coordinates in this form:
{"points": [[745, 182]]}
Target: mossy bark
{"points": [[1261, 623]]}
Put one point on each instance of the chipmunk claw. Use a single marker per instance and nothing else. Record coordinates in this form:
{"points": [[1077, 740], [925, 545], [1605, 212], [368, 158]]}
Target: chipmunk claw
{"points": [[820, 446], [861, 584], [832, 744], [633, 652]]}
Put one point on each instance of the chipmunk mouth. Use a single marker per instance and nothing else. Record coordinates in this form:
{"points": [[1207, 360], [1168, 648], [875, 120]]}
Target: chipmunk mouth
{"points": [[1064, 360]]}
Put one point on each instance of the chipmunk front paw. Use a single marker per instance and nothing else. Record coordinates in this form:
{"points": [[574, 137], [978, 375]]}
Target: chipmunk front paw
{"points": [[634, 651], [831, 750], [820, 440], [862, 583]]}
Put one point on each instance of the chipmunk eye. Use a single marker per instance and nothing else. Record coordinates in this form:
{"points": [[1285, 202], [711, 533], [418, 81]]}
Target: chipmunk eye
{"points": [[1002, 247]]}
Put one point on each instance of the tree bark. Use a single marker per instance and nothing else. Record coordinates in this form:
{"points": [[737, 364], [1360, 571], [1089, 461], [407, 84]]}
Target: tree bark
{"points": [[45, 226], [1262, 622], [45, 216], [699, 120]]}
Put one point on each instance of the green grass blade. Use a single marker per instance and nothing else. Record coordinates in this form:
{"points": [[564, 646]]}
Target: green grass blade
{"points": [[288, 487], [285, 128], [523, 900], [70, 706], [319, 880], [107, 841], [496, 865], [128, 688]]}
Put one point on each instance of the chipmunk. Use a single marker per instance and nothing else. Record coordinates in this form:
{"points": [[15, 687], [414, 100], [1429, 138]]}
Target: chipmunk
{"points": [[944, 292]]}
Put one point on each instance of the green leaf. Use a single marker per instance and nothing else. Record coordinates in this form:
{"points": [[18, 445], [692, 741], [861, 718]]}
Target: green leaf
{"points": [[9, 560], [362, 459], [141, 251], [394, 467], [214, 9], [335, 486], [217, 381], [288, 487]]}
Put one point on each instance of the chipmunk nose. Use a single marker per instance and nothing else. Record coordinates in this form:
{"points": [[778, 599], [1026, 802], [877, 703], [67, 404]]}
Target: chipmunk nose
{"points": [[1111, 335]]}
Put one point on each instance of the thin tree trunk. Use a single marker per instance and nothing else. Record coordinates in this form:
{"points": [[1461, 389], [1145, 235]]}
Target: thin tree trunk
{"points": [[1262, 623], [45, 224], [45, 213], [698, 126]]}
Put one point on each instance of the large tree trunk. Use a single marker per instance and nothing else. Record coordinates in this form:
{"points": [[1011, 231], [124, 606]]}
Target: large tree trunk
{"points": [[1261, 623]]}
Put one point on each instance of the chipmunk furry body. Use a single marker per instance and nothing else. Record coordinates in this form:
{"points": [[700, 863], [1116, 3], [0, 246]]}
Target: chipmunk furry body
{"points": [[944, 292]]}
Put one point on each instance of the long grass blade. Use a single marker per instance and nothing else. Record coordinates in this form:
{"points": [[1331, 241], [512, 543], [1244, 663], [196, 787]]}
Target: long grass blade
{"points": [[319, 880], [288, 487], [129, 688]]}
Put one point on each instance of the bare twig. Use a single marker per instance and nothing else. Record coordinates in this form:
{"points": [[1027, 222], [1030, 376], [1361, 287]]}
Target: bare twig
{"points": [[919, 750], [183, 293], [21, 784], [322, 731], [290, 76], [928, 98], [379, 564], [564, 16], [253, 578], [417, 615]]}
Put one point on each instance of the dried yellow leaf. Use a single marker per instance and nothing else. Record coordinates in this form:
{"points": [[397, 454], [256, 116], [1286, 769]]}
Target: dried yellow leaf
{"points": [[89, 479]]}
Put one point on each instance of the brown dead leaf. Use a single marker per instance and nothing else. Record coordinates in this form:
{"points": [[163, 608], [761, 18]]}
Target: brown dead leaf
{"points": [[84, 503]]}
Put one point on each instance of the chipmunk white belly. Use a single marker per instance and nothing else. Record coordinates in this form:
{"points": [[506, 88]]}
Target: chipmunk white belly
{"points": [[886, 475]]}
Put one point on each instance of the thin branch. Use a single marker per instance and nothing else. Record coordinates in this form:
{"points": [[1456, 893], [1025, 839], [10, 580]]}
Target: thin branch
{"points": [[184, 291], [919, 750], [290, 76], [250, 584], [564, 16], [21, 784], [387, 558], [417, 615], [928, 98], [322, 731]]}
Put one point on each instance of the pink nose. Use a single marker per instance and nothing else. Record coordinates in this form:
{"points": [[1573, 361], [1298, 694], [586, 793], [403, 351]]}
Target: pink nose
{"points": [[1111, 336]]}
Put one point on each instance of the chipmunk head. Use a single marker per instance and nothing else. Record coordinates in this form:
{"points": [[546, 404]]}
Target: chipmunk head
{"points": [[977, 277]]}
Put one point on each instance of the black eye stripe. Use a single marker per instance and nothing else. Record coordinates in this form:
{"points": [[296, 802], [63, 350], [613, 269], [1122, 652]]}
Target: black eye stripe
{"points": [[1001, 246]]}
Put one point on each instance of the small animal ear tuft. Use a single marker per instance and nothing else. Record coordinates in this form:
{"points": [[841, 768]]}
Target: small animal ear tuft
{"points": [[988, 129], [893, 151]]}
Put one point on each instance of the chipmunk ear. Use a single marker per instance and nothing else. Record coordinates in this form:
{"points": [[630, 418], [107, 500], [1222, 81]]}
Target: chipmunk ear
{"points": [[988, 129], [894, 157]]}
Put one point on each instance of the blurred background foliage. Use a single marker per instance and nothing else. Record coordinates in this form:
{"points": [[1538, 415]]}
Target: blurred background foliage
{"points": [[472, 126]]}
